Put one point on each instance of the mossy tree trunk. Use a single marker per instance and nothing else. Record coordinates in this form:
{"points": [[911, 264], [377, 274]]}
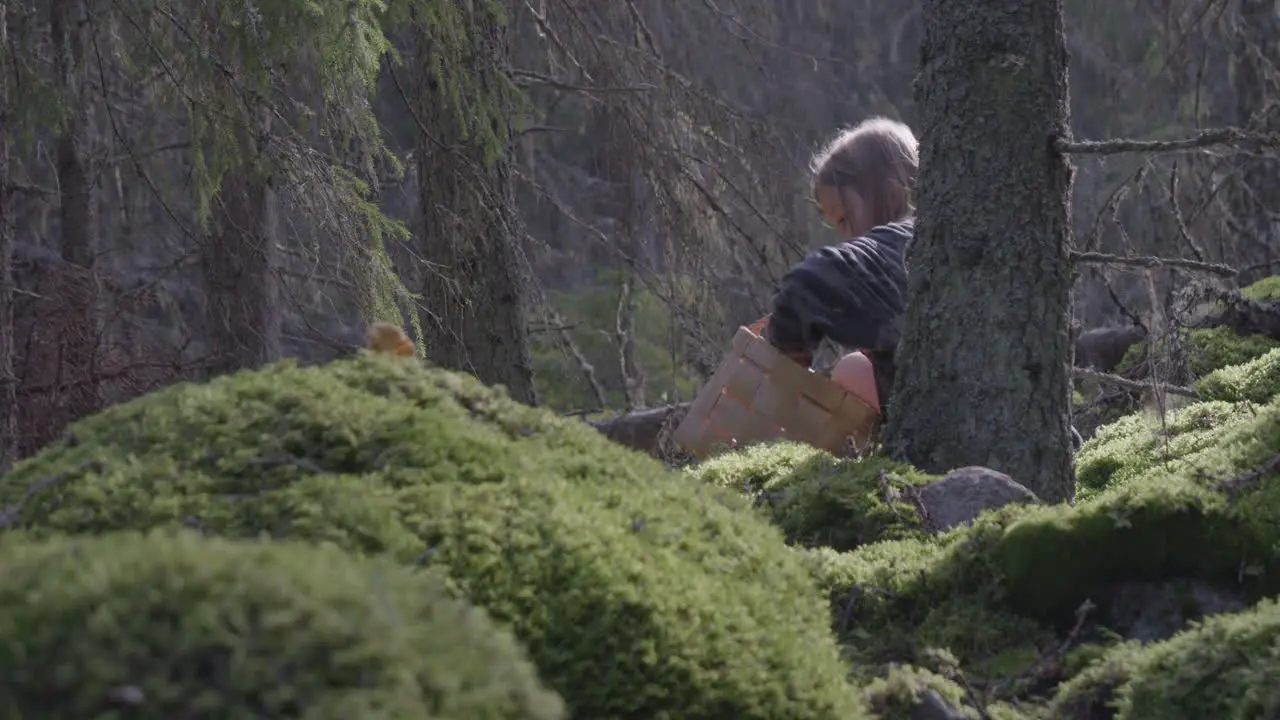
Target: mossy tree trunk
{"points": [[983, 370], [240, 258], [1255, 198], [473, 281], [8, 378], [78, 283]]}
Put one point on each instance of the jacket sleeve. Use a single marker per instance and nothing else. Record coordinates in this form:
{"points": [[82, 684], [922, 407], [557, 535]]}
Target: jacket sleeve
{"points": [[854, 293]]}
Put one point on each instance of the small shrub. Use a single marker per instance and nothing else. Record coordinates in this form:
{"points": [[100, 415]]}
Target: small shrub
{"points": [[174, 625]]}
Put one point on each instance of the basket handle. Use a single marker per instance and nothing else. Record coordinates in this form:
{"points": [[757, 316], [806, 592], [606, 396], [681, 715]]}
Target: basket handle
{"points": [[802, 358]]}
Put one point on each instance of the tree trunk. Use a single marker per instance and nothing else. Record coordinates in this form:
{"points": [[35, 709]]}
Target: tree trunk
{"points": [[8, 378], [240, 259], [1255, 199], [78, 284], [473, 283], [982, 376]]}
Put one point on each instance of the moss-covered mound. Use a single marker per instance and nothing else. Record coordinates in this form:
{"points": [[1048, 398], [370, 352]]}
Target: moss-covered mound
{"points": [[1257, 380], [1001, 594], [638, 592], [174, 625], [1267, 288], [1225, 667], [1135, 444], [1211, 349], [820, 500], [900, 600]]}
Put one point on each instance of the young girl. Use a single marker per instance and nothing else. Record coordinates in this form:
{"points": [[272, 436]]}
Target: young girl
{"points": [[855, 293]]}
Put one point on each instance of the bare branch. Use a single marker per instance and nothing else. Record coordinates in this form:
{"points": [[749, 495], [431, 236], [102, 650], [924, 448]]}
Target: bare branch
{"points": [[1228, 136], [624, 334], [588, 370], [527, 78], [1149, 261], [1133, 385]]}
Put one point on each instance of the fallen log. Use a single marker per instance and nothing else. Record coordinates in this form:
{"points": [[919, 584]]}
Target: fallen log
{"points": [[648, 430]]}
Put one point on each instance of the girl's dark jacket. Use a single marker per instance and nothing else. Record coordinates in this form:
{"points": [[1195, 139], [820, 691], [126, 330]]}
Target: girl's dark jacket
{"points": [[853, 293]]}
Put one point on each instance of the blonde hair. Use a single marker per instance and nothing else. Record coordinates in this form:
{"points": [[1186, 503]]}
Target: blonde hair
{"points": [[879, 160]]}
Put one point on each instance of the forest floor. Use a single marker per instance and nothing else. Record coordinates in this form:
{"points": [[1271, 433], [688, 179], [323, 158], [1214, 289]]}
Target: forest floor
{"points": [[372, 538]]}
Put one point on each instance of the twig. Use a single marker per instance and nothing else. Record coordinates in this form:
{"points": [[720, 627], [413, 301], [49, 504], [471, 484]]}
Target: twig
{"points": [[1235, 485], [1199, 141], [855, 591], [1127, 384], [10, 514], [527, 78], [584, 365], [1149, 261], [1054, 653]]}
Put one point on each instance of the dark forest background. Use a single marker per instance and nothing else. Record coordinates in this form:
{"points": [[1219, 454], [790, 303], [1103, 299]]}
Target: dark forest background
{"points": [[580, 200]]}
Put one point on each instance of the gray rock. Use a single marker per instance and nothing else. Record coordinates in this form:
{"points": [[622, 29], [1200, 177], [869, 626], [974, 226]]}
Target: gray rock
{"points": [[1151, 611], [959, 497], [933, 707]]}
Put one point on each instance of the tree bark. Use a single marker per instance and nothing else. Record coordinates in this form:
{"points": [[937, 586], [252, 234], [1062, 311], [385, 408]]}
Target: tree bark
{"points": [[240, 259], [983, 365], [78, 283], [473, 284], [8, 378], [1255, 199]]}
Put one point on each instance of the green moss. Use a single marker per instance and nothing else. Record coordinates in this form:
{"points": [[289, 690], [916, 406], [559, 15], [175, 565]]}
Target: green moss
{"points": [[1210, 349], [999, 594], [900, 601], [899, 694], [638, 592], [1255, 381], [1206, 350], [1134, 444], [820, 500], [1172, 523], [1267, 288], [174, 625], [1224, 667]]}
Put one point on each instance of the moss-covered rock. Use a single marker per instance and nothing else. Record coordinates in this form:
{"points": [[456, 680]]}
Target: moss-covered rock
{"points": [[904, 690], [638, 592], [1255, 381], [1002, 593], [898, 601], [817, 499], [174, 625], [1225, 667]]}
